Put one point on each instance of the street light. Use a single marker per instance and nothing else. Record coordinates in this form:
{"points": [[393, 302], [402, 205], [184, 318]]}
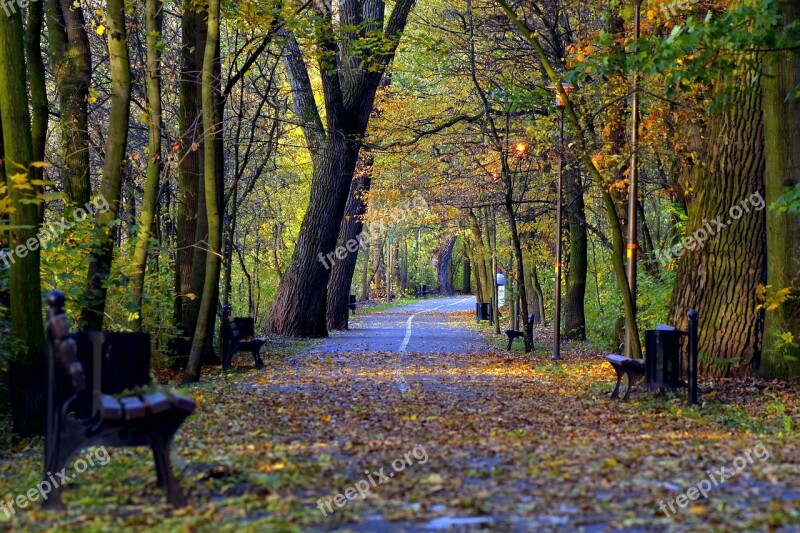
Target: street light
{"points": [[559, 202], [633, 189]]}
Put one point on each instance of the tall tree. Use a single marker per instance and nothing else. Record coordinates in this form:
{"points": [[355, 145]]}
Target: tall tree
{"points": [[782, 154], [72, 68], [342, 270], [719, 279], [601, 182], [40, 108], [211, 122], [193, 31], [574, 311], [102, 252], [442, 258], [27, 369], [153, 27], [353, 54]]}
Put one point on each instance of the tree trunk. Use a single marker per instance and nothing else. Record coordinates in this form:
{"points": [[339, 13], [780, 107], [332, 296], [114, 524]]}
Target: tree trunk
{"points": [[193, 35], [299, 308], [404, 266], [466, 287], [479, 251], [574, 312], [520, 266], [441, 262], [342, 270], [27, 371], [153, 23], [378, 267], [349, 84], [40, 109], [365, 272], [782, 155], [719, 279], [539, 294], [227, 256], [116, 143], [210, 124], [72, 69]]}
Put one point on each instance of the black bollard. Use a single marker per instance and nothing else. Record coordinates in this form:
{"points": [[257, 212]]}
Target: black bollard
{"points": [[693, 358]]}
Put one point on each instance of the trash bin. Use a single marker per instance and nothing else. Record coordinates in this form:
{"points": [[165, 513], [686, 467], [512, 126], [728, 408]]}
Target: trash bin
{"points": [[483, 311], [663, 357]]}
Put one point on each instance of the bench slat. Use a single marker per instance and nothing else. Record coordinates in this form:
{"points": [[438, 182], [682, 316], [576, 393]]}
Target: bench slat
{"points": [[110, 408], [616, 359], [184, 403], [156, 402], [134, 408]]}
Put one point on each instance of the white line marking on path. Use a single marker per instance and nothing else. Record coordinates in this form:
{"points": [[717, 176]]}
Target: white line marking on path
{"points": [[407, 338]]}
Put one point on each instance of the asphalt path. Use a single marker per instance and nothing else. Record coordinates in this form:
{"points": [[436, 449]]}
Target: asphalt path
{"points": [[426, 326]]}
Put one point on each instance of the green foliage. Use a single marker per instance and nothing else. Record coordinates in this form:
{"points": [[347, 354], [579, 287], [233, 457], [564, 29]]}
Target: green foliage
{"points": [[653, 299], [789, 201], [696, 52]]}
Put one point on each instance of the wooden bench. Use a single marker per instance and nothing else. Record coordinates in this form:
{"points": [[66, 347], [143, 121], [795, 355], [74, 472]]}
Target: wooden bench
{"points": [[514, 334], [633, 369], [238, 335], [92, 378]]}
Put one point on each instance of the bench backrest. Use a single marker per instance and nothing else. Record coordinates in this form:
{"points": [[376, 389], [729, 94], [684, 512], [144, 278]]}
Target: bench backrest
{"points": [[246, 326], [112, 363], [237, 328]]}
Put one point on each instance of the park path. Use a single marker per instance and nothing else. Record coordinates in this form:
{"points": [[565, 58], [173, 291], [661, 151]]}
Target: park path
{"points": [[421, 327], [410, 421]]}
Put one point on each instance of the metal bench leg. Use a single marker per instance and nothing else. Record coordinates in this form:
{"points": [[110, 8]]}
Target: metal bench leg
{"points": [[629, 387], [615, 394], [257, 358], [631, 382], [227, 357], [166, 478]]}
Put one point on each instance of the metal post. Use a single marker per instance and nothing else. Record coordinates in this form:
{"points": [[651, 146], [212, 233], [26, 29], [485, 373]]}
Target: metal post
{"points": [[692, 377], [496, 292], [389, 268], [559, 203], [633, 189]]}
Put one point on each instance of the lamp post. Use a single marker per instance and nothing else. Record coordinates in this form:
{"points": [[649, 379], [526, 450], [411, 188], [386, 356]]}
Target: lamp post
{"points": [[633, 189], [559, 206]]}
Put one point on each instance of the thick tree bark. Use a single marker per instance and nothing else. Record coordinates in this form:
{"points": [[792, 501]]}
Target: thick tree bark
{"points": [[342, 270], [211, 123], [441, 262], [27, 371], [307, 273], [116, 143], [72, 69], [574, 312], [719, 279], [782, 140], [349, 84], [153, 22]]}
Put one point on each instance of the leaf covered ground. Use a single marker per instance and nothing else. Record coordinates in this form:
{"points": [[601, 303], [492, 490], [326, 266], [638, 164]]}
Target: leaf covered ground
{"points": [[487, 441]]}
